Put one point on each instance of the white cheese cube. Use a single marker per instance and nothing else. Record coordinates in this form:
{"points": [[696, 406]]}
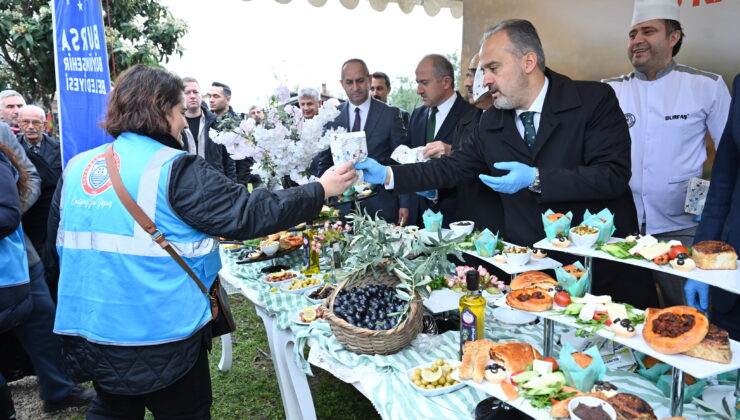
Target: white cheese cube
{"points": [[542, 367]]}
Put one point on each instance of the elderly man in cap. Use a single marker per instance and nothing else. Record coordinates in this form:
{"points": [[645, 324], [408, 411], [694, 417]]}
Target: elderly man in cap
{"points": [[669, 108]]}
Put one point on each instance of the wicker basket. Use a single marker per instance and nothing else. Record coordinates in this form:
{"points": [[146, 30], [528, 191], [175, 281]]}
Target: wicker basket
{"points": [[365, 341]]}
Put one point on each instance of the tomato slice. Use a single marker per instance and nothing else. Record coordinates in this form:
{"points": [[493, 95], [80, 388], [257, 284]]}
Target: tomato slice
{"points": [[554, 401], [553, 362], [601, 316]]}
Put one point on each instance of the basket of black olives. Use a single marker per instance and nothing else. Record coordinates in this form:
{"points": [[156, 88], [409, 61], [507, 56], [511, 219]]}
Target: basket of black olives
{"points": [[365, 317]]}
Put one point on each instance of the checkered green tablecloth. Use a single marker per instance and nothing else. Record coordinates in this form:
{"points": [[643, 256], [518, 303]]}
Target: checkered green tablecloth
{"points": [[394, 397]]}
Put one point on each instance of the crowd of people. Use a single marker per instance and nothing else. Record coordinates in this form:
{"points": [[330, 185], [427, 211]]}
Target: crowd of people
{"points": [[534, 140]]}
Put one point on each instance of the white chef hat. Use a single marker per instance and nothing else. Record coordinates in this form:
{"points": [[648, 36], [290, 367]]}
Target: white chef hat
{"points": [[655, 9]]}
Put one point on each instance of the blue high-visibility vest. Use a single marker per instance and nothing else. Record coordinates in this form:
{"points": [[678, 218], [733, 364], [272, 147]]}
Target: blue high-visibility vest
{"points": [[116, 285]]}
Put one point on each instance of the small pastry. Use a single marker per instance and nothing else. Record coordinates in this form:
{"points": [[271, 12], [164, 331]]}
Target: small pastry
{"points": [[561, 241], [607, 388], [538, 253], [632, 237], [499, 257], [683, 264], [495, 373], [255, 254], [623, 328]]}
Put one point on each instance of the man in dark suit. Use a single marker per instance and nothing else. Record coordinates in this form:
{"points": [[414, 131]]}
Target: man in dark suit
{"points": [[381, 123], [380, 88], [432, 126], [548, 143], [720, 221]]}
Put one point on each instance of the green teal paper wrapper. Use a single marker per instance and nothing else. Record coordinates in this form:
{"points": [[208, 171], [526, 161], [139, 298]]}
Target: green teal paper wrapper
{"points": [[606, 228], [560, 226], [485, 243], [659, 375], [432, 221], [575, 287], [576, 376]]}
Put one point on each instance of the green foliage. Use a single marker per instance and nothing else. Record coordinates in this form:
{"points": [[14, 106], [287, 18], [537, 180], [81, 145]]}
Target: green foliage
{"points": [[142, 31], [377, 245]]}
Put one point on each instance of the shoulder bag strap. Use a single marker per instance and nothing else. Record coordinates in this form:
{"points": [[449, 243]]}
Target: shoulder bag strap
{"points": [[142, 219]]}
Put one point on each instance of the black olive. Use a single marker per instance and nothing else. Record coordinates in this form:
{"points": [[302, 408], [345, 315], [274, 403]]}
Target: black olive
{"points": [[630, 328], [559, 288], [561, 238], [682, 256], [616, 321], [680, 261], [498, 252], [625, 323]]}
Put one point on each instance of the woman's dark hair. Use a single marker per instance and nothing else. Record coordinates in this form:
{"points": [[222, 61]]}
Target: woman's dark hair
{"points": [[140, 101], [24, 184]]}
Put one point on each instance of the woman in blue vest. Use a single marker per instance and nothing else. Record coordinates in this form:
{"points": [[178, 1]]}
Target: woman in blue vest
{"points": [[15, 290], [129, 316]]}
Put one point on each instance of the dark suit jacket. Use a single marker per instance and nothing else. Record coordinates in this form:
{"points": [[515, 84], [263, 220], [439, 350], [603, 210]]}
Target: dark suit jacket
{"points": [[491, 215], [720, 220], [582, 150], [384, 131], [49, 151], [416, 137]]}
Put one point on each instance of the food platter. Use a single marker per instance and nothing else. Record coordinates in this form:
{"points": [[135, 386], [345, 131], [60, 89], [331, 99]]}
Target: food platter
{"points": [[698, 368], [244, 259], [724, 279], [344, 199]]}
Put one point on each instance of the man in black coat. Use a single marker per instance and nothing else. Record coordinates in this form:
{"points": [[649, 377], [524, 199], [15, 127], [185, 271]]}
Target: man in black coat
{"points": [[196, 137], [432, 126], [548, 143], [720, 221]]}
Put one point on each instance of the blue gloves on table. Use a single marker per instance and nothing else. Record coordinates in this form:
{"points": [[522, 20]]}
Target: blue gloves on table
{"points": [[374, 172], [694, 290], [520, 176]]}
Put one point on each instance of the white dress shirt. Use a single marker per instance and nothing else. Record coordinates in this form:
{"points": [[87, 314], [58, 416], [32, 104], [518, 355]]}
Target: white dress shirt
{"points": [[364, 110], [442, 111], [536, 107]]}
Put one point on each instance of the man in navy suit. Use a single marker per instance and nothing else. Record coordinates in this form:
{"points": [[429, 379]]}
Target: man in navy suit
{"points": [[383, 127], [432, 126], [720, 221], [380, 88]]}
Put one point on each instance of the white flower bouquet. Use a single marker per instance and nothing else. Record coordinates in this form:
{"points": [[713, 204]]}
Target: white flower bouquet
{"points": [[284, 144]]}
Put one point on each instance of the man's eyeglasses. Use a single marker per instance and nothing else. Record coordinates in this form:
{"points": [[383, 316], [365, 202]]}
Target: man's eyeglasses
{"points": [[26, 123]]}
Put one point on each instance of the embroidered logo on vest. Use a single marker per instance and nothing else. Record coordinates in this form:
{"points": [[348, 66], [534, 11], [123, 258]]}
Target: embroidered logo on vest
{"points": [[630, 119], [95, 177]]}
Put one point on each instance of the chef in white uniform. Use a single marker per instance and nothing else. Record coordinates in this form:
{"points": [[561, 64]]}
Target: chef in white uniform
{"points": [[669, 109]]}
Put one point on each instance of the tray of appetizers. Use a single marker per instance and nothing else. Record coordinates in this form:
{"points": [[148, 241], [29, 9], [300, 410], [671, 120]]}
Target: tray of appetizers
{"points": [[515, 259], [270, 247], [688, 267], [584, 313], [361, 191]]}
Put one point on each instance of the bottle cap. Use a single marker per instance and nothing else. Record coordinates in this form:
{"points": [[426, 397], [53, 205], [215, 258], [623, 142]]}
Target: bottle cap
{"points": [[472, 279]]}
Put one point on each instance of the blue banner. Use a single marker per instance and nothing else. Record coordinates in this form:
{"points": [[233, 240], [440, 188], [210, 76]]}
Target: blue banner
{"points": [[83, 79]]}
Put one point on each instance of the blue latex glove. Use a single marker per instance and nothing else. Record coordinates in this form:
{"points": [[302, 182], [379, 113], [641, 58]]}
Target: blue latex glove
{"points": [[694, 289], [429, 194], [519, 176], [374, 172]]}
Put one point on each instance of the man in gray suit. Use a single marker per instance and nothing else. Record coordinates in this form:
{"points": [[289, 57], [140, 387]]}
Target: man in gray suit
{"points": [[382, 124]]}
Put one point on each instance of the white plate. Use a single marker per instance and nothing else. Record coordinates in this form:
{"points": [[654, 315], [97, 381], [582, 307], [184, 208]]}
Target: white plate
{"points": [[278, 283], [284, 288], [315, 301], [713, 396], [296, 318], [511, 316], [434, 392]]}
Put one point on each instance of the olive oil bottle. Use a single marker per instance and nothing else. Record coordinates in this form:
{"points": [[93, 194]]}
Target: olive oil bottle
{"points": [[472, 311]]}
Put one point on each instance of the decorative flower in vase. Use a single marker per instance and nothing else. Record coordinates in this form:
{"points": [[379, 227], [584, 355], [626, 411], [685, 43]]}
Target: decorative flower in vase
{"points": [[488, 281], [330, 233], [284, 144]]}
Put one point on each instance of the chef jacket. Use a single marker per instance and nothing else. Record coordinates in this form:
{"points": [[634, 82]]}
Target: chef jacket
{"points": [[668, 119]]}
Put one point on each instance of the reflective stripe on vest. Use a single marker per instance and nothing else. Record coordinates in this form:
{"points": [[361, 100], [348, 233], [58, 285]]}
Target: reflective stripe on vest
{"points": [[117, 286]]}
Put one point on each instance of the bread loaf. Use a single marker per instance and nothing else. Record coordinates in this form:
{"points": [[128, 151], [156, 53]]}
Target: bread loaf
{"points": [[714, 255]]}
